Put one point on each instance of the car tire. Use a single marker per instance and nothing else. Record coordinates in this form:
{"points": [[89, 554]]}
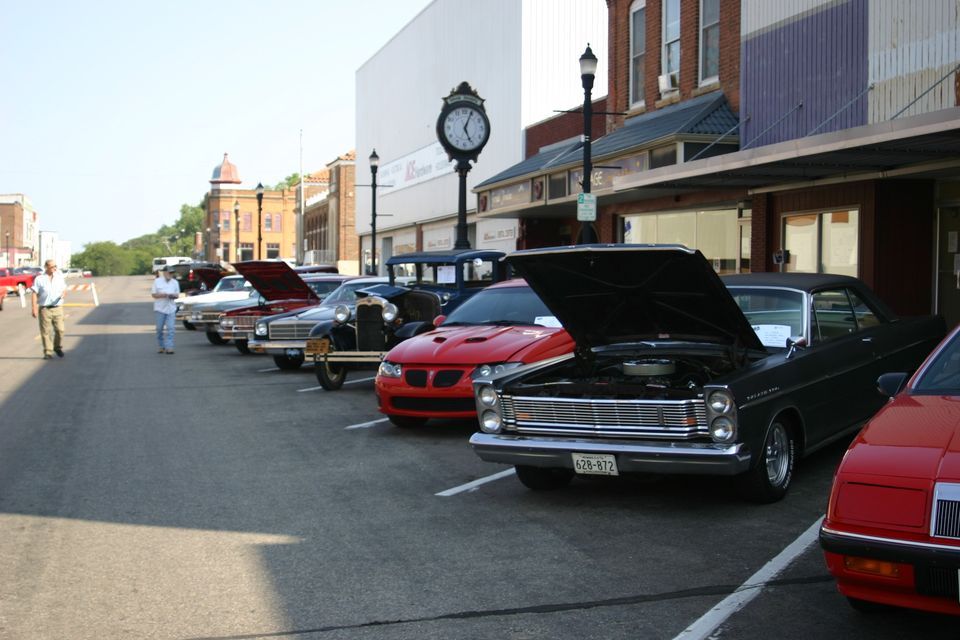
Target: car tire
{"points": [[215, 338], [189, 326], [543, 478], [287, 363], [407, 422], [242, 346], [330, 376], [772, 473], [866, 606]]}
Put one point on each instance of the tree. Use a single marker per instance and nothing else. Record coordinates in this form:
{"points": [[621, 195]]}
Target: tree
{"points": [[104, 259], [289, 182]]}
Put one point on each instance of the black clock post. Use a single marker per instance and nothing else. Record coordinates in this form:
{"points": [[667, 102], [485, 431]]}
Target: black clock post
{"points": [[463, 129]]}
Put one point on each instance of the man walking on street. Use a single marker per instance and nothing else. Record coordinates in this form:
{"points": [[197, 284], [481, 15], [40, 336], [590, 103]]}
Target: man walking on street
{"points": [[165, 290], [47, 305]]}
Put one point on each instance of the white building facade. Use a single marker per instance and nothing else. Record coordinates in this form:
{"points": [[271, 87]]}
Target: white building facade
{"points": [[521, 56]]}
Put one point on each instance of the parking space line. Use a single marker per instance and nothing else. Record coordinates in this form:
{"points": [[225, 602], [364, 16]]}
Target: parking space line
{"points": [[270, 369], [308, 389], [470, 486], [366, 425], [742, 595]]}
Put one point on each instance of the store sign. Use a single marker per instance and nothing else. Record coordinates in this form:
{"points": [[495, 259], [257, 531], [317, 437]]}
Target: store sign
{"points": [[509, 196], [412, 169]]}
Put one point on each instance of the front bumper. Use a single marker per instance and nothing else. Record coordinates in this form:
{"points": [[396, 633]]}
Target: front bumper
{"points": [[632, 457], [928, 572], [396, 397], [235, 334], [275, 347]]}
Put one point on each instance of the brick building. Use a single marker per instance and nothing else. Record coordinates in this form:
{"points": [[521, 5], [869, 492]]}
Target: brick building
{"points": [[826, 134], [238, 229], [19, 231], [330, 235]]}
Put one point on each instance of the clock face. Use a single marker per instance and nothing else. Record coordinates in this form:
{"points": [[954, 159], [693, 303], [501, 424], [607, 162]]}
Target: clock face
{"points": [[465, 128]]}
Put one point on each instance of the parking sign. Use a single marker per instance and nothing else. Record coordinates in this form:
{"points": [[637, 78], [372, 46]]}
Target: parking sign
{"points": [[586, 207]]}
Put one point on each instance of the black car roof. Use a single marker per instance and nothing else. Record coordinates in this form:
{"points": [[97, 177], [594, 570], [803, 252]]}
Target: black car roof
{"points": [[454, 255], [805, 281]]}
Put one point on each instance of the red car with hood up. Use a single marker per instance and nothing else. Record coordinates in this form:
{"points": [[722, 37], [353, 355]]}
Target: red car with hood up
{"points": [[892, 531], [281, 289], [431, 375]]}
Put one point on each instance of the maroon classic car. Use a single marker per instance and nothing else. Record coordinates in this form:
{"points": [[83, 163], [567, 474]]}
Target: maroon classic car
{"points": [[892, 531], [281, 289], [431, 375]]}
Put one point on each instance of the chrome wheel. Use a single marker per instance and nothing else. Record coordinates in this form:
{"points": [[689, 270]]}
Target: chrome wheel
{"points": [[776, 454]]}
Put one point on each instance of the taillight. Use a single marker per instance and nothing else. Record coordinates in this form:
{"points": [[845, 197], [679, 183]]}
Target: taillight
{"points": [[190, 275]]}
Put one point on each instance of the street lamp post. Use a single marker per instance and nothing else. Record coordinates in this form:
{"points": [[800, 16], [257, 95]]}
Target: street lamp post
{"points": [[259, 221], [236, 230], [374, 164], [9, 259], [588, 71]]}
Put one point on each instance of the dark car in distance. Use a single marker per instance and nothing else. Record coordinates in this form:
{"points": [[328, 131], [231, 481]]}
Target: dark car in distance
{"points": [[676, 371]]}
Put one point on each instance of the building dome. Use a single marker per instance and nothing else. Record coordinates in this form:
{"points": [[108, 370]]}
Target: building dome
{"points": [[225, 173]]}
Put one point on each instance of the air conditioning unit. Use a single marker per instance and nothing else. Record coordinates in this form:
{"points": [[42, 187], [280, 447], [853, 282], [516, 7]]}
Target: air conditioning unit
{"points": [[667, 82]]}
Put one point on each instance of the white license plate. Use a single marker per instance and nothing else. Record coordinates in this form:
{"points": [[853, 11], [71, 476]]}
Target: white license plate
{"points": [[597, 464]]}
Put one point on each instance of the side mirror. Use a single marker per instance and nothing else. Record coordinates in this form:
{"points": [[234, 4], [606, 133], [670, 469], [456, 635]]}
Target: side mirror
{"points": [[794, 343], [439, 320], [890, 384], [261, 301]]}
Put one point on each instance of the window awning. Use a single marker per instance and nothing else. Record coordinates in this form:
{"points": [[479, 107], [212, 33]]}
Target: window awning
{"points": [[702, 118], [926, 145]]}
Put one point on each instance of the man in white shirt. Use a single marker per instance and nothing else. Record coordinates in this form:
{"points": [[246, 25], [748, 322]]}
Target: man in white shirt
{"points": [[165, 290], [47, 305]]}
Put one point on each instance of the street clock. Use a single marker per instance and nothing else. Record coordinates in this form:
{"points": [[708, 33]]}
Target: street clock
{"points": [[463, 127]]}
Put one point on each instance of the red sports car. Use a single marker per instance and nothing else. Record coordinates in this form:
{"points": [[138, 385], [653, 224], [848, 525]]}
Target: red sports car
{"points": [[431, 375], [892, 531]]}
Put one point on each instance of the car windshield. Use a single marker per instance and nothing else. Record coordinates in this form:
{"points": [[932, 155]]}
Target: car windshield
{"points": [[347, 292], [503, 306], [231, 284], [478, 273], [323, 287], [774, 314], [942, 375]]}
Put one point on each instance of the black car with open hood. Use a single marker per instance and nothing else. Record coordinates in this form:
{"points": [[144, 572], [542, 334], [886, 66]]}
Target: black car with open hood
{"points": [[681, 370]]}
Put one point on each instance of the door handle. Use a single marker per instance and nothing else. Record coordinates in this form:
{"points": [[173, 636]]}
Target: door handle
{"points": [[866, 339]]}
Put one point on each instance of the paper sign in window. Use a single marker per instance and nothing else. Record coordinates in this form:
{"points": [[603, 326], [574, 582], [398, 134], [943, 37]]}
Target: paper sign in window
{"points": [[547, 321], [772, 335], [446, 274]]}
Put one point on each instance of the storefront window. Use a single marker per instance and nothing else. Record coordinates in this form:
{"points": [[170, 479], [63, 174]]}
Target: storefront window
{"points": [[823, 242], [715, 233]]}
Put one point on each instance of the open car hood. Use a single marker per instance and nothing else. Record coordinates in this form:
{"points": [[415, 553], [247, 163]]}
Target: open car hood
{"points": [[210, 276], [617, 293], [275, 280]]}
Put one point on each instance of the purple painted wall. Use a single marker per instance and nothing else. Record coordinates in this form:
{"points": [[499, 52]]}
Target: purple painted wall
{"points": [[820, 60]]}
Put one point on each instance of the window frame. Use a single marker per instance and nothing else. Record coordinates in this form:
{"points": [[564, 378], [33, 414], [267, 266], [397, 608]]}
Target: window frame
{"points": [[707, 80], [637, 6], [665, 44]]}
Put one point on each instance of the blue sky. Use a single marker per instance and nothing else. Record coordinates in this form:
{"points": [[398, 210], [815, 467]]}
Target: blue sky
{"points": [[115, 113]]}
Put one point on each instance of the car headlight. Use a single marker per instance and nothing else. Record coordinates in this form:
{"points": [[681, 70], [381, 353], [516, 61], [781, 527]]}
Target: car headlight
{"points": [[390, 312], [389, 370], [196, 315], [342, 313], [261, 329], [227, 323], [720, 402], [491, 422], [723, 429], [493, 369], [487, 395]]}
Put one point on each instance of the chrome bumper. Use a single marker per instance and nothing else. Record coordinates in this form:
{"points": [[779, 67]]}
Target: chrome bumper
{"points": [[351, 357], [632, 457], [276, 347], [234, 334]]}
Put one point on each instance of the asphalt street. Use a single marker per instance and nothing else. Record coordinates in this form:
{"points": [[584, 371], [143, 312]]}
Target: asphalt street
{"points": [[207, 494]]}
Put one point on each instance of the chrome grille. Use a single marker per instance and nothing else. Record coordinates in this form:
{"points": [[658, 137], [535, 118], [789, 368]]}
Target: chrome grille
{"points": [[667, 419], [291, 330], [244, 322], [946, 511]]}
